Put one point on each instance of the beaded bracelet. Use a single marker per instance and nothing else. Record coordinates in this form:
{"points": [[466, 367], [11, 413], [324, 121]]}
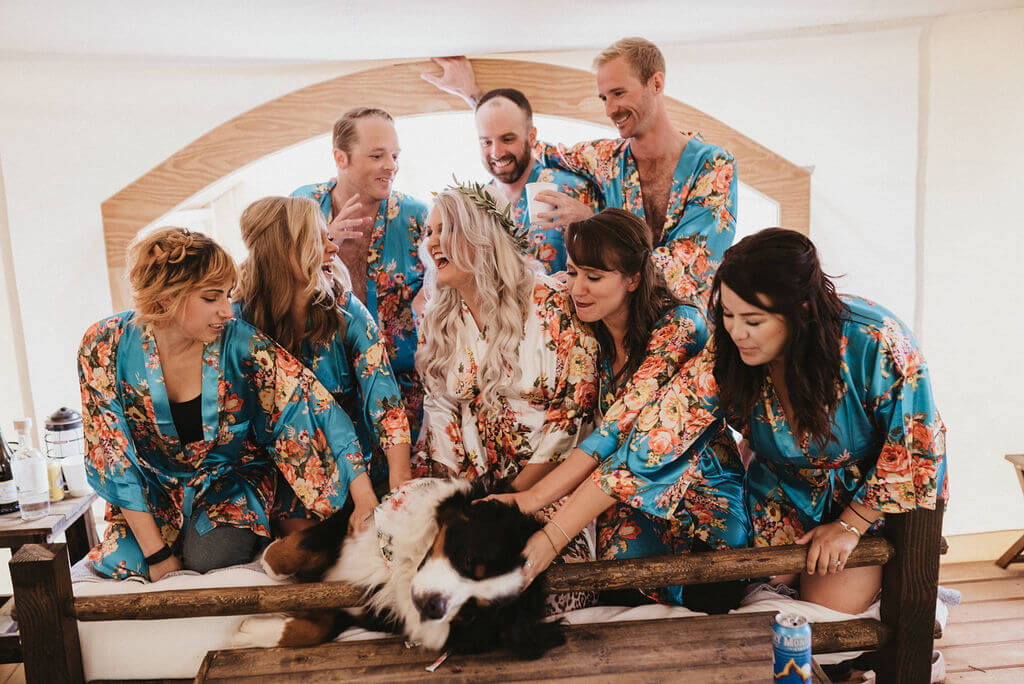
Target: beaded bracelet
{"points": [[849, 528]]}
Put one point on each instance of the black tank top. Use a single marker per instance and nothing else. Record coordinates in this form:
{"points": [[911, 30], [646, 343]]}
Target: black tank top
{"points": [[188, 419]]}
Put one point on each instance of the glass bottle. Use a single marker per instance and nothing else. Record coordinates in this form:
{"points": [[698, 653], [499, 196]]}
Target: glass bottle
{"points": [[8, 490], [30, 474]]}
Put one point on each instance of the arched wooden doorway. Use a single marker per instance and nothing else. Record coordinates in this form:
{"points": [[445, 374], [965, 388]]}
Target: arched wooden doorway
{"points": [[311, 111]]}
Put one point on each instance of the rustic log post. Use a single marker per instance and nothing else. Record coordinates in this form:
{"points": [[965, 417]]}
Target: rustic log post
{"points": [[42, 596], [909, 585]]}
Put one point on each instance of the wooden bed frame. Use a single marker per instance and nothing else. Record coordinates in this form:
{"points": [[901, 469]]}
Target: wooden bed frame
{"points": [[908, 553]]}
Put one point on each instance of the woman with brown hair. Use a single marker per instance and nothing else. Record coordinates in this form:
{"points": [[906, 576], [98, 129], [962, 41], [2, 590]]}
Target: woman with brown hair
{"points": [[191, 416], [293, 287], [834, 398], [662, 469]]}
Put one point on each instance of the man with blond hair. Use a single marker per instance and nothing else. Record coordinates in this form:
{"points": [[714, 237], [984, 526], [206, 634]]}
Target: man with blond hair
{"points": [[377, 230], [684, 188]]}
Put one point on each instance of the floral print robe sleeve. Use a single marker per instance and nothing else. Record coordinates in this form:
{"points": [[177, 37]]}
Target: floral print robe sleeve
{"points": [[354, 367], [264, 417], [887, 450], [700, 222]]}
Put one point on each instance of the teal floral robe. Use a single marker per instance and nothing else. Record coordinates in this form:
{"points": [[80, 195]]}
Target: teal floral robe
{"points": [[665, 453], [888, 446], [394, 278], [700, 222], [547, 241], [355, 369], [264, 417]]}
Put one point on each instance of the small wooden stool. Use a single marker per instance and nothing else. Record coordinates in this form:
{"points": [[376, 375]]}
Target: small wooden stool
{"points": [[1014, 554]]}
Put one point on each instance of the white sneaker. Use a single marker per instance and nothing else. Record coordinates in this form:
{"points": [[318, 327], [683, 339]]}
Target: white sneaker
{"points": [[938, 668]]}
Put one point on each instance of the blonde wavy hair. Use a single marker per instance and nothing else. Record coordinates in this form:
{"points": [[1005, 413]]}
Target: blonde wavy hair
{"points": [[474, 242], [642, 55], [280, 234], [168, 265]]}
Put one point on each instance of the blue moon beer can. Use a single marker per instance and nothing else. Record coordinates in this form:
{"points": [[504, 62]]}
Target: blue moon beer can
{"points": [[791, 642]]}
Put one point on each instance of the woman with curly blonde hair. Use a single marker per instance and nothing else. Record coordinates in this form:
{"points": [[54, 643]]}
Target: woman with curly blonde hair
{"points": [[192, 416], [294, 288], [508, 372]]}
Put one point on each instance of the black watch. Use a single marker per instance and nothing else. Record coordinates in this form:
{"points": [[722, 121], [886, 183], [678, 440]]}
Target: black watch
{"points": [[159, 556]]}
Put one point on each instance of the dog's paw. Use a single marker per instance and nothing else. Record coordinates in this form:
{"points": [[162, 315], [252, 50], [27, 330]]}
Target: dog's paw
{"points": [[263, 631], [281, 559]]}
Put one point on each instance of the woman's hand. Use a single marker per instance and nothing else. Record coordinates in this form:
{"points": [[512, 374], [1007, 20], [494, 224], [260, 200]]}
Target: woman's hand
{"points": [[158, 570], [364, 501], [831, 545], [539, 553], [524, 501], [361, 516]]}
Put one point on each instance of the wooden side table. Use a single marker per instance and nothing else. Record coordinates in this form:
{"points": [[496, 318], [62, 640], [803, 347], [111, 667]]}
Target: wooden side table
{"points": [[71, 516]]}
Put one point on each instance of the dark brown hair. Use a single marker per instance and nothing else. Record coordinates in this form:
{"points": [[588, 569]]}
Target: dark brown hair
{"points": [[616, 240], [345, 127], [782, 266], [514, 96]]}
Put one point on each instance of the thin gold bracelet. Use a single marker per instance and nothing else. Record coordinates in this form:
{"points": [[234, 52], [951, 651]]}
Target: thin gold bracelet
{"points": [[548, 537], [567, 539]]}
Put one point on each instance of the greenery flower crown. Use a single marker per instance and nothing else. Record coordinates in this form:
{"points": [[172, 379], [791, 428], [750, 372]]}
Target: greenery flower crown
{"points": [[485, 202]]}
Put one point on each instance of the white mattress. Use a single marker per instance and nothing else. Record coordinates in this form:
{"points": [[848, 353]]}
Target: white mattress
{"points": [[149, 649]]}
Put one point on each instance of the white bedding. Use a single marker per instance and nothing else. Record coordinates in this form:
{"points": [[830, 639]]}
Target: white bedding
{"points": [[146, 649]]}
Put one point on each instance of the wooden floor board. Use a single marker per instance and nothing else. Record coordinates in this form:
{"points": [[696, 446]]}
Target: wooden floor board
{"points": [[983, 632], [989, 589], [984, 656], [978, 570], [993, 676]]}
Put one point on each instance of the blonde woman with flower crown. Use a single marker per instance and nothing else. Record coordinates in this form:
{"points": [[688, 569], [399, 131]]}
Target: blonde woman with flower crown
{"points": [[192, 417], [294, 288], [509, 373]]}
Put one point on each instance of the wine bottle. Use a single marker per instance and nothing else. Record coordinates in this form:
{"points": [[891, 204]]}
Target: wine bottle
{"points": [[8, 490]]}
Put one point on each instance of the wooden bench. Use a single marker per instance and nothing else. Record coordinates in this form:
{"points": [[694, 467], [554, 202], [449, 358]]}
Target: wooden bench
{"points": [[909, 553]]}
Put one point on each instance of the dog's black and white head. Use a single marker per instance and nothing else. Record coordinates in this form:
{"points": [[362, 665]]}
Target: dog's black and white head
{"points": [[469, 586]]}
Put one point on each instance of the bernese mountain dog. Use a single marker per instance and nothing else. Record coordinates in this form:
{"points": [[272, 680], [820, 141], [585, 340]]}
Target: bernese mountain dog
{"points": [[437, 564]]}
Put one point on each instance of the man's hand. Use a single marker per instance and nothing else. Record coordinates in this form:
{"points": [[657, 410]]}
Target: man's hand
{"points": [[158, 570], [345, 225], [566, 209], [457, 78]]}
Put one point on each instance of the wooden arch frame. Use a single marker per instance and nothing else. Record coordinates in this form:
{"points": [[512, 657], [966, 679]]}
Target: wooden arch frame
{"points": [[290, 119]]}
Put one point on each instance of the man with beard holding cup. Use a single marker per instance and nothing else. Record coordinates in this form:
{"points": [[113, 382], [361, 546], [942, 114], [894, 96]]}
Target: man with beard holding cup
{"points": [[504, 124], [684, 188]]}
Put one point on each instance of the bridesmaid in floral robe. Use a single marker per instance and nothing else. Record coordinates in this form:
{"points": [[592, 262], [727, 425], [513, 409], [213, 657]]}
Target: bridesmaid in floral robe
{"points": [[191, 417], [508, 371], [294, 288], [834, 399], [662, 467]]}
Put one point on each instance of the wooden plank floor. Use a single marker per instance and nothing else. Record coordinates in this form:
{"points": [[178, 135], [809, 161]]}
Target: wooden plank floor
{"points": [[983, 641], [984, 638]]}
